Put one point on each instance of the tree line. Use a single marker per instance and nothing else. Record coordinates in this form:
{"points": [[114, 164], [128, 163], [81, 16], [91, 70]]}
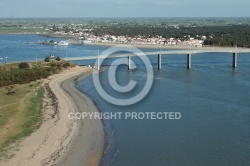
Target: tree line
{"points": [[230, 35]]}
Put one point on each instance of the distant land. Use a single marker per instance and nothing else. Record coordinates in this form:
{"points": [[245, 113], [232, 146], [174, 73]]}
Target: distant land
{"points": [[226, 32]]}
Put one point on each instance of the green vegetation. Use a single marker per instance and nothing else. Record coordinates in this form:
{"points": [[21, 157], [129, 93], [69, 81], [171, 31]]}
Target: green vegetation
{"points": [[230, 35], [22, 26], [20, 114], [24, 73], [24, 65], [58, 58], [20, 30], [47, 59]]}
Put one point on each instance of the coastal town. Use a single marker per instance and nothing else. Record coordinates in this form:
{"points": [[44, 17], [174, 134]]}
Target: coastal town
{"points": [[87, 36]]}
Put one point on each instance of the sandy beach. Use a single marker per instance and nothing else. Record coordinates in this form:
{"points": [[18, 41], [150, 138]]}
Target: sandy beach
{"points": [[61, 140]]}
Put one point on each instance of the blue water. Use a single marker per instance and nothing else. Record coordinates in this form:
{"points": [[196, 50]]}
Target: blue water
{"points": [[18, 48], [213, 98]]}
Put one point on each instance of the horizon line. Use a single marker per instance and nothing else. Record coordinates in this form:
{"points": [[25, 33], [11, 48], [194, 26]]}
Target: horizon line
{"points": [[95, 17]]}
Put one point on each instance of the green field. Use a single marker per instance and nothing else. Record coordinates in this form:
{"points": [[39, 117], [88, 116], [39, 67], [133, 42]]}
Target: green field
{"points": [[20, 114], [21, 30]]}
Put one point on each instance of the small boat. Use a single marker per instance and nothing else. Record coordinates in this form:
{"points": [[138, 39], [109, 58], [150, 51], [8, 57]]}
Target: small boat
{"points": [[62, 43], [86, 41]]}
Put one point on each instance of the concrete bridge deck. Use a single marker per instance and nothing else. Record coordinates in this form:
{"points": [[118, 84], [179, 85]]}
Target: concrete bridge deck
{"points": [[189, 53]]}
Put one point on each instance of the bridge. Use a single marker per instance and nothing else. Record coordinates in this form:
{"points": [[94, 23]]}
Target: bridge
{"points": [[188, 53]]}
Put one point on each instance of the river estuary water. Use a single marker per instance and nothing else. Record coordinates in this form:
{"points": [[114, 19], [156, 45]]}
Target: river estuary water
{"points": [[212, 97]]}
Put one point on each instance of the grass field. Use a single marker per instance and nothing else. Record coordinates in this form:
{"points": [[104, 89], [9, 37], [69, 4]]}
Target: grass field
{"points": [[20, 114], [21, 30], [8, 67]]}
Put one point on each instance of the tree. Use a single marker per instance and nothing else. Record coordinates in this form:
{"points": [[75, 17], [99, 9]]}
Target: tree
{"points": [[24, 65], [54, 29]]}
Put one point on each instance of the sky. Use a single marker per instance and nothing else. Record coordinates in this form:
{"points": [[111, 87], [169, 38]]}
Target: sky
{"points": [[124, 8]]}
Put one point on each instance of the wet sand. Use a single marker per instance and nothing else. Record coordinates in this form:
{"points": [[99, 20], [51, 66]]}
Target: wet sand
{"points": [[88, 142]]}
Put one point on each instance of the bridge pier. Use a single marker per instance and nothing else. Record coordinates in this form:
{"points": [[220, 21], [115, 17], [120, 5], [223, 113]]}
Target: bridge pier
{"points": [[159, 61], [189, 61], [129, 63], [98, 63], [235, 59]]}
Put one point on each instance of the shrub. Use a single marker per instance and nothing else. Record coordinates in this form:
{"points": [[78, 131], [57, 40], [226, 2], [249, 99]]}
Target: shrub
{"points": [[47, 59], [66, 65], [53, 64], [58, 58], [24, 65], [10, 92]]}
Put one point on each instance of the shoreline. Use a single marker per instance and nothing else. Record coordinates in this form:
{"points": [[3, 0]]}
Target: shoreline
{"points": [[105, 127], [153, 46], [150, 46], [61, 140], [96, 143]]}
